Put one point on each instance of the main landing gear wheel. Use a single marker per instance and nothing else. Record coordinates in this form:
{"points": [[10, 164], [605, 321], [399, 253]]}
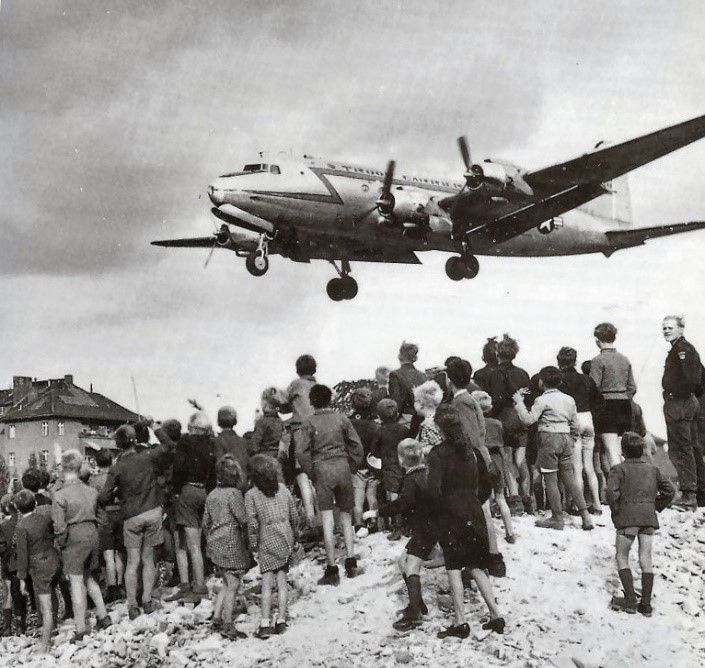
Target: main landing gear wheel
{"points": [[458, 268], [340, 289], [257, 264]]}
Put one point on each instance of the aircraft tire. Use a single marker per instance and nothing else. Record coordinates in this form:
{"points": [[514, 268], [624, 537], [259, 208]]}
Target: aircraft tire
{"points": [[471, 266], [350, 287], [455, 268], [336, 289], [256, 264]]}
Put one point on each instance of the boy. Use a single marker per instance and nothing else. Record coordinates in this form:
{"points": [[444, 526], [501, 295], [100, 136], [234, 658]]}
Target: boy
{"points": [[415, 504], [330, 454], [37, 557], [229, 442], [557, 418], [269, 426], [35, 480], [392, 432], [133, 478], [494, 440], [109, 529], [12, 596], [636, 490]]}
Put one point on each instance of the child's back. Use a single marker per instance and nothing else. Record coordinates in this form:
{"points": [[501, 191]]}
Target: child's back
{"points": [[391, 434], [632, 490], [224, 520], [267, 434], [8, 554]]}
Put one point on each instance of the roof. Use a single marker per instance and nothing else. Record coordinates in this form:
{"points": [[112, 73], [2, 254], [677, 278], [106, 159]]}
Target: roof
{"points": [[62, 399]]}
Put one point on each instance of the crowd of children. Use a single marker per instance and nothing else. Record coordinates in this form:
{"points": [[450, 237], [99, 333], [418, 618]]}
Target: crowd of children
{"points": [[430, 455]]}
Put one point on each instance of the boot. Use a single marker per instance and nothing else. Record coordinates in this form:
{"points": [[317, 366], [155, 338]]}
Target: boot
{"points": [[413, 613], [351, 567], [550, 523], [628, 602], [330, 576], [529, 504], [461, 631], [497, 625], [539, 495], [647, 586], [6, 623], [687, 500]]}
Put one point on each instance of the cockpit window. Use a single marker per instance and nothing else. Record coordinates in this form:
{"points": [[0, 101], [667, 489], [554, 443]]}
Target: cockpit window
{"points": [[252, 168], [275, 169], [255, 168]]}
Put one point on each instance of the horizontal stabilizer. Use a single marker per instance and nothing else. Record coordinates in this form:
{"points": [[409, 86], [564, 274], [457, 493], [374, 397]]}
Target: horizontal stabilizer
{"points": [[635, 237]]}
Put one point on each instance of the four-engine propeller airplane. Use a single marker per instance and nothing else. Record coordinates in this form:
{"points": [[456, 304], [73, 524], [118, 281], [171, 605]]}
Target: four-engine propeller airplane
{"points": [[315, 209]]}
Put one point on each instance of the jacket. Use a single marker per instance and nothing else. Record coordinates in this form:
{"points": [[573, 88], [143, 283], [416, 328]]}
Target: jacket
{"points": [[133, 478], [472, 418], [583, 389], [501, 382], [8, 553], [194, 462], [74, 503], [34, 536], [612, 373], [682, 372], [267, 434], [553, 411], [328, 435], [414, 501], [636, 489], [229, 443], [297, 398], [402, 382]]}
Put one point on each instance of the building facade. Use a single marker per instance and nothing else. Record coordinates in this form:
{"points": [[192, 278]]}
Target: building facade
{"points": [[41, 418]]}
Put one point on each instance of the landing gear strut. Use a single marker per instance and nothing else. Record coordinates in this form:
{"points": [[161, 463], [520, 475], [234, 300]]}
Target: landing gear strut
{"points": [[344, 287], [257, 263], [464, 266]]}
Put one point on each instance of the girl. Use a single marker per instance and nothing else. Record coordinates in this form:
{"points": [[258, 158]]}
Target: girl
{"points": [[224, 523], [271, 518], [38, 558], [452, 484], [73, 512]]}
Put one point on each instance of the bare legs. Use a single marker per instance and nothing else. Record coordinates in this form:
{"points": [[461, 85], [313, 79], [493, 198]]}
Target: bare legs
{"points": [[455, 581], [308, 497], [193, 546], [47, 621], [114, 568], [612, 448], [523, 468], [133, 563], [328, 521], [268, 580], [149, 573]]}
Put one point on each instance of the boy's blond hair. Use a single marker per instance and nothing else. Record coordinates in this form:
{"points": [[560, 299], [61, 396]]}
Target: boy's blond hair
{"points": [[410, 452], [483, 399], [71, 460]]}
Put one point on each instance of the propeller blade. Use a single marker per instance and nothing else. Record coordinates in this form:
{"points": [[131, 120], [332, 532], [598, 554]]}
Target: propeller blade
{"points": [[364, 215], [210, 255], [388, 178], [465, 151]]}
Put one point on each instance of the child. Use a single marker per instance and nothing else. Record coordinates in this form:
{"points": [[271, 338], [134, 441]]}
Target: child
{"points": [[37, 557], [391, 434], [415, 504], [494, 440], [427, 398], [636, 490], [229, 442], [271, 522], [364, 481], [13, 597], [269, 427], [73, 512], [36, 480], [224, 524], [109, 520], [330, 454], [556, 416]]}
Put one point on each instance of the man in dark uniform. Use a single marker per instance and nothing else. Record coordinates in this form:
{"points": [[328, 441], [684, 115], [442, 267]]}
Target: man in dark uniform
{"points": [[682, 380]]}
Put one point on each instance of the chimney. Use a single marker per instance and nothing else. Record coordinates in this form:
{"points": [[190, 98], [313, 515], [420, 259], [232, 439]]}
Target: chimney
{"points": [[21, 385], [68, 380]]}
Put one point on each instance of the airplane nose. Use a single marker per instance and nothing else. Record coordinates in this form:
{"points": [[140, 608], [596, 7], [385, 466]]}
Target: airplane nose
{"points": [[215, 194]]}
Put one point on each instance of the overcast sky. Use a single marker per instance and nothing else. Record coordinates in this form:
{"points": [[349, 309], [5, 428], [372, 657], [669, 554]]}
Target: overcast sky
{"points": [[114, 116]]}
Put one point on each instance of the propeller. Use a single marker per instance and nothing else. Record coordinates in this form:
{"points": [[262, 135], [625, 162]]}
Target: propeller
{"points": [[220, 238], [385, 203], [474, 174]]}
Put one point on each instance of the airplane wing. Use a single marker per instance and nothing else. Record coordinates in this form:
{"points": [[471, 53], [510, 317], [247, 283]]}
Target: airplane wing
{"points": [[196, 242], [562, 187], [636, 237]]}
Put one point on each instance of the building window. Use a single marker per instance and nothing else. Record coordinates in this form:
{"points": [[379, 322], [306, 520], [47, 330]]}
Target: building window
{"points": [[45, 428], [61, 428], [11, 459], [11, 431], [2, 410], [45, 457]]}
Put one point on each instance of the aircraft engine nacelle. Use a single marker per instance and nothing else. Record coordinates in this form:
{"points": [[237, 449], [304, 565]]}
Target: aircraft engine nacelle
{"points": [[494, 177], [223, 236], [440, 224], [409, 207]]}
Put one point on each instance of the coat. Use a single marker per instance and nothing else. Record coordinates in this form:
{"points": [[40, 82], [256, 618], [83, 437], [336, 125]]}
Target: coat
{"points": [[635, 490]]}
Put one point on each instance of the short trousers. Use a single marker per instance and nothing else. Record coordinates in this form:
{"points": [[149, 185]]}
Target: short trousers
{"points": [[498, 460], [463, 547], [632, 532], [45, 571], [81, 553], [144, 530], [189, 506], [586, 431], [614, 418], [555, 451], [391, 478], [333, 484], [422, 542], [515, 432], [110, 535]]}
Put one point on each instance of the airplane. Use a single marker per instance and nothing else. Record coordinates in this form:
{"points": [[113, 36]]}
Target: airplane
{"points": [[314, 209]]}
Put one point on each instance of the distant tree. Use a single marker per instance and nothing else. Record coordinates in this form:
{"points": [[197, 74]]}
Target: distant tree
{"points": [[4, 476]]}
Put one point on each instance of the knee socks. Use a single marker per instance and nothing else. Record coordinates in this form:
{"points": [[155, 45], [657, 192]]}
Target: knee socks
{"points": [[647, 586], [625, 577], [416, 603]]}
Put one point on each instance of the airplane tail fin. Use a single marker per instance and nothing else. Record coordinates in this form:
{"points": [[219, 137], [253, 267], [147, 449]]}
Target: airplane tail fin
{"points": [[616, 205]]}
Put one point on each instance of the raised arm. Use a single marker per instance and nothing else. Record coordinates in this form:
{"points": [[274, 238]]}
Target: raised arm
{"points": [[528, 417]]}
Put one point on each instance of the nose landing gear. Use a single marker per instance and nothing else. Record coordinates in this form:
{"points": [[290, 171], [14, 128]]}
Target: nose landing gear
{"points": [[342, 288], [257, 263]]}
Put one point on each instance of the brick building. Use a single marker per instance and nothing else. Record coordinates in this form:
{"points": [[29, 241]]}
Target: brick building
{"points": [[41, 418]]}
